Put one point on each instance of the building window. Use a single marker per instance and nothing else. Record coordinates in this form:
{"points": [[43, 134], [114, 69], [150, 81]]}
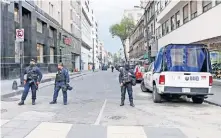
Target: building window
{"points": [[167, 25], [193, 9], [163, 28], [39, 53], [185, 14], [177, 19], [206, 5], [72, 28], [172, 23], [51, 33], [71, 14], [16, 15], [59, 17], [166, 2], [39, 26], [158, 7], [218, 2], [51, 55]]}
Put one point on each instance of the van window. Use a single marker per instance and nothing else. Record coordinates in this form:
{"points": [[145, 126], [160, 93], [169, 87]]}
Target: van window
{"points": [[177, 56], [193, 54]]}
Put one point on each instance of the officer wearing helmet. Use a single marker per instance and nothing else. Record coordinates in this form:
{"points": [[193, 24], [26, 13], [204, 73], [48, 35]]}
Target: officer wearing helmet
{"points": [[32, 79], [125, 80], [61, 82]]}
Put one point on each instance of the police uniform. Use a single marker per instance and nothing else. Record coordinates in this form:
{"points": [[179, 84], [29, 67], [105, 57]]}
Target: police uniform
{"points": [[33, 76], [126, 85], [61, 82]]}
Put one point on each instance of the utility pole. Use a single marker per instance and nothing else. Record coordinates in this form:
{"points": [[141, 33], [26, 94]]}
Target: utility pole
{"points": [[21, 43], [93, 56]]}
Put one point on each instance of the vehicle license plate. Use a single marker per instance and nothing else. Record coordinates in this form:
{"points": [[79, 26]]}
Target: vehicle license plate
{"points": [[186, 90]]}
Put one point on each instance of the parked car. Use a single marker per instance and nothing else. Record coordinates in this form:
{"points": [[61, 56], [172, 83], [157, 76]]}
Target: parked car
{"points": [[104, 67], [176, 72]]}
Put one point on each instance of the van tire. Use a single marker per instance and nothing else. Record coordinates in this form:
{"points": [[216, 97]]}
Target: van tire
{"points": [[142, 87], [198, 100], [156, 96]]}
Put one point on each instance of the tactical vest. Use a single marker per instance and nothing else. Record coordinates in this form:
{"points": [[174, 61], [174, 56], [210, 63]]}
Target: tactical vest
{"points": [[32, 73], [60, 76], [126, 77]]}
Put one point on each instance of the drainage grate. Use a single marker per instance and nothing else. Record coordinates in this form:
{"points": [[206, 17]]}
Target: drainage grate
{"points": [[3, 110], [116, 117], [10, 99]]}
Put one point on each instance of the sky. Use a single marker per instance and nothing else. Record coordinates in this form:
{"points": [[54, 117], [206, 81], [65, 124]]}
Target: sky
{"points": [[108, 12]]}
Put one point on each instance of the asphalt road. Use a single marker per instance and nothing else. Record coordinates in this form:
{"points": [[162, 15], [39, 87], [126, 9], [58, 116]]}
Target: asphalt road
{"points": [[93, 111]]}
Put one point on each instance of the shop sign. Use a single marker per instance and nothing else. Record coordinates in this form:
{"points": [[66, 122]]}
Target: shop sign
{"points": [[67, 41]]}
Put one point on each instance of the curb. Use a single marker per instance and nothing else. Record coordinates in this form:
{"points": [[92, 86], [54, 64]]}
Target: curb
{"points": [[212, 103], [18, 92]]}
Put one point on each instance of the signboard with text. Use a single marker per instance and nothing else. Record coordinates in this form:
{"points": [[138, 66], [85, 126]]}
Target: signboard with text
{"points": [[19, 35]]}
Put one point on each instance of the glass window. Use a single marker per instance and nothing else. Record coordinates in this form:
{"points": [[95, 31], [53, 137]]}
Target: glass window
{"points": [[51, 55], [194, 54], [185, 14], [16, 15], [39, 53], [50, 33], [72, 28], [163, 29], [193, 9], [39, 26], [167, 25], [71, 14], [177, 19], [206, 5], [218, 2], [177, 57], [158, 7], [172, 23]]}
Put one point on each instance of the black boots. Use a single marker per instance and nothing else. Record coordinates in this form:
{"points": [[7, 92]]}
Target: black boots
{"points": [[131, 103], [21, 103], [33, 102], [53, 102], [122, 103]]}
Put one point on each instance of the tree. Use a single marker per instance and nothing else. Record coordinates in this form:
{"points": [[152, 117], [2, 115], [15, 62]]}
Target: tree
{"points": [[123, 30]]}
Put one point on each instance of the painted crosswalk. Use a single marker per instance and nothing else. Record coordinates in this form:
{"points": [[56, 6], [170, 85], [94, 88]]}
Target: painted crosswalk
{"points": [[65, 130]]}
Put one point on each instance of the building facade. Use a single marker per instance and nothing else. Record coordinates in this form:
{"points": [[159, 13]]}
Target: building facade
{"points": [[136, 41], [86, 35]]}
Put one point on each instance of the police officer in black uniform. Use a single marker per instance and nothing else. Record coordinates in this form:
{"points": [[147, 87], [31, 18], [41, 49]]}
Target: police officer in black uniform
{"points": [[125, 79], [32, 80], [61, 82]]}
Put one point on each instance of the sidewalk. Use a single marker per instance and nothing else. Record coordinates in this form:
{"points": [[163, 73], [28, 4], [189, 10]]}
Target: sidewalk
{"points": [[6, 85]]}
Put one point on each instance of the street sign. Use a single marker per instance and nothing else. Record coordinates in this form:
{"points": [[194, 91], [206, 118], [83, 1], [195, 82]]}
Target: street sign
{"points": [[19, 35]]}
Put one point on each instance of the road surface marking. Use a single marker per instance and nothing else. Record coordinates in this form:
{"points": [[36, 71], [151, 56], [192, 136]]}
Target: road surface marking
{"points": [[4, 122], [100, 114], [125, 132], [49, 130]]}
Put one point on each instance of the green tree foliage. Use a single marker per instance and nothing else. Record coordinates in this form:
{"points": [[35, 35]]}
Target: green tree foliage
{"points": [[123, 30]]}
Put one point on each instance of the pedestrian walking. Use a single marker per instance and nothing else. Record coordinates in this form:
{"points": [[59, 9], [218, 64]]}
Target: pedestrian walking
{"points": [[112, 68], [126, 77], [32, 80], [61, 82]]}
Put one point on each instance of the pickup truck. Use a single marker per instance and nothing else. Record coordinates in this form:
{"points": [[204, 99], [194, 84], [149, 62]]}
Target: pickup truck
{"points": [[179, 69]]}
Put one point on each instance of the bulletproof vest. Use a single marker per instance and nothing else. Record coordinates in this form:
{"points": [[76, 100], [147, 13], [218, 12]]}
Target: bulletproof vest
{"points": [[126, 77], [60, 76], [32, 73]]}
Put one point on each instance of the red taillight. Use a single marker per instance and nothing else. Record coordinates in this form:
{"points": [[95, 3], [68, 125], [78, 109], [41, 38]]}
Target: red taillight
{"points": [[162, 79], [210, 80]]}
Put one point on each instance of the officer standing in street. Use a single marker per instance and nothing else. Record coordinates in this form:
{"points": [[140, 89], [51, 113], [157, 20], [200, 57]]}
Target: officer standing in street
{"points": [[32, 80], [61, 82], [125, 80]]}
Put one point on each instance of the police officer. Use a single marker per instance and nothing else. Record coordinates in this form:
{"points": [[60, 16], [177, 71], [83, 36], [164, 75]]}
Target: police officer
{"points": [[32, 80], [125, 80], [61, 82]]}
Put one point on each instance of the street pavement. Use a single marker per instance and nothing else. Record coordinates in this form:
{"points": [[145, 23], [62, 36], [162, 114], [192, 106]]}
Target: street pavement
{"points": [[93, 111]]}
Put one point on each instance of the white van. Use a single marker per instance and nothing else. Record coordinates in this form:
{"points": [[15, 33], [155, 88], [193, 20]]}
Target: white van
{"points": [[180, 69]]}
